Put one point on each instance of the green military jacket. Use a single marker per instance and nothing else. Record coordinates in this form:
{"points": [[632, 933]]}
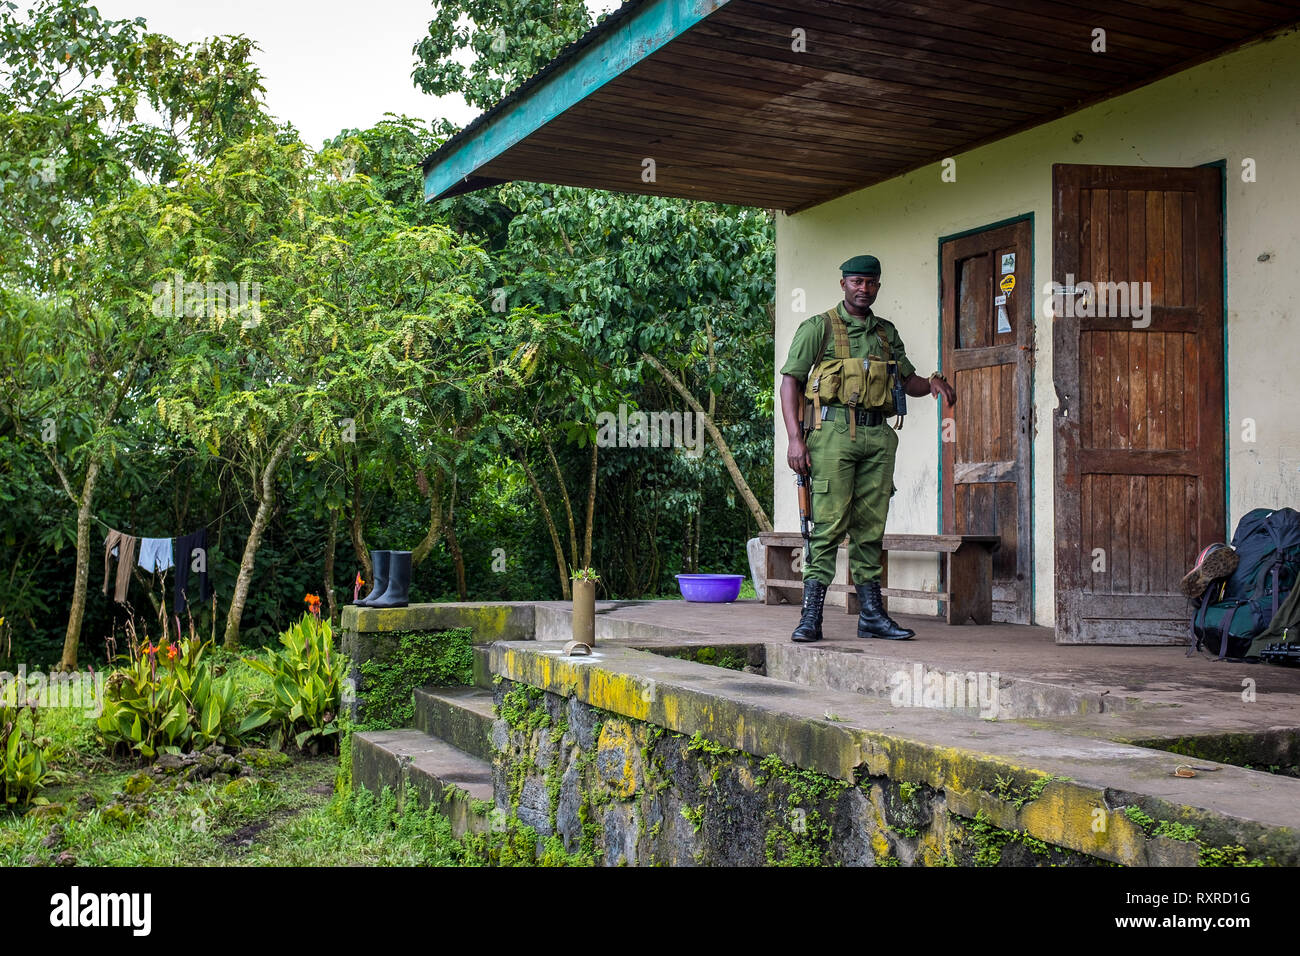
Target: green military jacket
{"points": [[863, 343]]}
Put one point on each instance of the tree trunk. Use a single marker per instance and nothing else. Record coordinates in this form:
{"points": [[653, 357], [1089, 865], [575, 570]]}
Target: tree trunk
{"points": [[72, 637], [764, 523], [550, 524], [157, 603], [454, 545], [435, 521], [699, 530], [564, 496], [713, 366], [265, 505], [591, 510], [357, 532], [327, 578]]}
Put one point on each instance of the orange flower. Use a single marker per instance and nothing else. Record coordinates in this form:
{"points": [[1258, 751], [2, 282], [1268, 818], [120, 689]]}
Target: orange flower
{"points": [[171, 652]]}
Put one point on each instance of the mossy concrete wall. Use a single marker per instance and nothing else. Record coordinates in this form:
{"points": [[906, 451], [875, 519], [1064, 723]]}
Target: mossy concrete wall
{"points": [[628, 792], [656, 760], [374, 634], [502, 621]]}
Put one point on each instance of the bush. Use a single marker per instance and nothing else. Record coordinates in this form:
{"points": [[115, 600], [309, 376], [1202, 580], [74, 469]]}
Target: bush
{"points": [[167, 698], [22, 755], [306, 686]]}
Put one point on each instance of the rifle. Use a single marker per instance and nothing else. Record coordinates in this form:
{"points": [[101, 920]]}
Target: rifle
{"points": [[900, 398], [802, 483], [1281, 653]]}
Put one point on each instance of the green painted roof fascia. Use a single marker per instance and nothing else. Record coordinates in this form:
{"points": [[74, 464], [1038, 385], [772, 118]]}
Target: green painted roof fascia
{"points": [[629, 41]]}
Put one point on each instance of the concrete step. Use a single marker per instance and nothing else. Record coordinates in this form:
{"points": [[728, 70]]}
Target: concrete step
{"points": [[462, 716], [441, 775], [483, 666]]}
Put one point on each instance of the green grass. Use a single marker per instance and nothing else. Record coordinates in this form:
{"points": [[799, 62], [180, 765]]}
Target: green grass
{"points": [[291, 817], [100, 811]]}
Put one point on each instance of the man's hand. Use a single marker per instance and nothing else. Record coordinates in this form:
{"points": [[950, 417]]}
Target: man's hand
{"points": [[939, 386], [796, 456], [919, 387]]}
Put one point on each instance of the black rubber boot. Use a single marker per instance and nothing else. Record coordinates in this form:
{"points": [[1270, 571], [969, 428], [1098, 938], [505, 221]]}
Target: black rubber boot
{"points": [[872, 619], [810, 623], [399, 581], [379, 564]]}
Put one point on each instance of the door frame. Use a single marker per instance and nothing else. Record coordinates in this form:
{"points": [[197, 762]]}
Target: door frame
{"points": [[1031, 433], [1222, 166]]}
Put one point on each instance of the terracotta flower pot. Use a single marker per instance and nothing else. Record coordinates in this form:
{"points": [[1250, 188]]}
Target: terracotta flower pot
{"points": [[584, 611]]}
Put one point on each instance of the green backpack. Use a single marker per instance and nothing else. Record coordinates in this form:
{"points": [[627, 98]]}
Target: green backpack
{"points": [[1283, 631]]}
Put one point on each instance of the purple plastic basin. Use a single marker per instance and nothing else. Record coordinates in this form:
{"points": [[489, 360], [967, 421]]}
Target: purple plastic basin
{"points": [[714, 588]]}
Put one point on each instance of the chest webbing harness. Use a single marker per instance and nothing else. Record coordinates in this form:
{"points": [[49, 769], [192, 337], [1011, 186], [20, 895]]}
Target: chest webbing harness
{"points": [[870, 382]]}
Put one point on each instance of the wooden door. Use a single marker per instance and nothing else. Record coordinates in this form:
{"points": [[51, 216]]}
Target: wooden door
{"points": [[1140, 425], [988, 337]]}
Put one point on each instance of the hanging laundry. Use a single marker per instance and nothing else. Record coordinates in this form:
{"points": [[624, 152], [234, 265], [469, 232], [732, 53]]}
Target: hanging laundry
{"points": [[155, 554], [123, 545], [186, 546]]}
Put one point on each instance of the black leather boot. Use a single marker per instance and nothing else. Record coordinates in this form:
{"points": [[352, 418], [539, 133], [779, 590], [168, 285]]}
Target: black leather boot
{"points": [[399, 581], [872, 619], [810, 623], [379, 566]]}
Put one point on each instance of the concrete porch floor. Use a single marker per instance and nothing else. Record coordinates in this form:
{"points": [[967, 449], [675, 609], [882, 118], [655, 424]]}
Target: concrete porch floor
{"points": [[1158, 692]]}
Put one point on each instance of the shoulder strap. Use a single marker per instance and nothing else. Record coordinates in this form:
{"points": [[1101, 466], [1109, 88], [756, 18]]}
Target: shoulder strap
{"points": [[841, 335], [1262, 575], [813, 407], [1198, 621], [834, 327]]}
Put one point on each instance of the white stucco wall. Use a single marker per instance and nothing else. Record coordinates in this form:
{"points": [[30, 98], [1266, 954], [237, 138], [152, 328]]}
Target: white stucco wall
{"points": [[1245, 104]]}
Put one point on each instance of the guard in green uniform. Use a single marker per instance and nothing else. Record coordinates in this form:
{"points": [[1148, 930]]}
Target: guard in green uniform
{"points": [[845, 377]]}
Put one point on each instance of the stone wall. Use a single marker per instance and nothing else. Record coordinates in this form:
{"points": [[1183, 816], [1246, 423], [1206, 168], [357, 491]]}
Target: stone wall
{"points": [[629, 792]]}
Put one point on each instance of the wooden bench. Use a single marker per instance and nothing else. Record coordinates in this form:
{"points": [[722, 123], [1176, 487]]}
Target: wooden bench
{"points": [[966, 574]]}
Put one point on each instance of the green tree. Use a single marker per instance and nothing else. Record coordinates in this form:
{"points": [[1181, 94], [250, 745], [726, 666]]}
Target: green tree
{"points": [[70, 142], [657, 290], [363, 323], [509, 41]]}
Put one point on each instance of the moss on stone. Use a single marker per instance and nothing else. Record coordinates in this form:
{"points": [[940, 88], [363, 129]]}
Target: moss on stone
{"points": [[389, 679]]}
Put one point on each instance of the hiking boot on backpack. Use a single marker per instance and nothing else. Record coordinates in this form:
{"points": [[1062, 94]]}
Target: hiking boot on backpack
{"points": [[1217, 561]]}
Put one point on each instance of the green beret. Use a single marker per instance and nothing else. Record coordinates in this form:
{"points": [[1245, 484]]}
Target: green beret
{"points": [[861, 266]]}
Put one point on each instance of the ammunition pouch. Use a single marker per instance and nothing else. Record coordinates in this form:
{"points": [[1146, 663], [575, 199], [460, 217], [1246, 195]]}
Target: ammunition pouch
{"points": [[871, 384]]}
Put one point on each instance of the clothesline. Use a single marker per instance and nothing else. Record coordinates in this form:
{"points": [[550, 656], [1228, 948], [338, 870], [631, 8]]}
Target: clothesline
{"points": [[110, 527], [157, 554]]}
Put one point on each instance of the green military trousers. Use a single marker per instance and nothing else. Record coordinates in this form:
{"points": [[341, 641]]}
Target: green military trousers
{"points": [[852, 481]]}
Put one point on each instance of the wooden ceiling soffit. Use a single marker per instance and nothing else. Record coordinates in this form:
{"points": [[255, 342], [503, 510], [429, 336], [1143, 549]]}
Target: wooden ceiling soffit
{"points": [[786, 104]]}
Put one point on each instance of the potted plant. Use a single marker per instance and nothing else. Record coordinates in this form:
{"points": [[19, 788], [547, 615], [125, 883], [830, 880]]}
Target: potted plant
{"points": [[584, 606]]}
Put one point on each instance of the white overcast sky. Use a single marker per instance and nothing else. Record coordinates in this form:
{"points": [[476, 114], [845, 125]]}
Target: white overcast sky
{"points": [[327, 65]]}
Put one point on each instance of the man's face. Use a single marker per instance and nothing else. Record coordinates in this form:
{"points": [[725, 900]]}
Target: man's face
{"points": [[860, 292]]}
